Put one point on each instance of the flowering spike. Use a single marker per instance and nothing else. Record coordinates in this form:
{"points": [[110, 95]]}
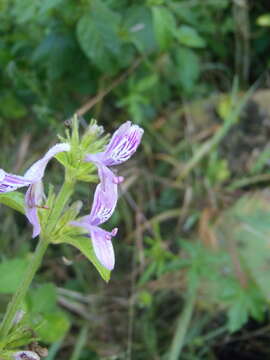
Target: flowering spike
{"points": [[122, 146]]}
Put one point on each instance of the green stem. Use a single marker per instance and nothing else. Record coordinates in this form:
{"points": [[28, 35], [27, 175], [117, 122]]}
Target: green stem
{"points": [[81, 341], [15, 303], [61, 200], [18, 297], [182, 326]]}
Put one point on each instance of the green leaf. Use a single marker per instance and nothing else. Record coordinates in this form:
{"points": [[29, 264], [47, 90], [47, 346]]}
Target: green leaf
{"points": [[164, 26], [53, 326], [24, 11], [11, 274], [12, 107], [249, 231], [188, 36], [263, 20], [188, 67], [85, 246], [43, 299], [48, 5], [139, 23], [238, 316], [245, 302], [97, 34], [147, 83], [14, 200]]}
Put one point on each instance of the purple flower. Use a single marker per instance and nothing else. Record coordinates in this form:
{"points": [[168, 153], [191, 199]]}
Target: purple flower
{"points": [[26, 355], [103, 206], [33, 179], [122, 146]]}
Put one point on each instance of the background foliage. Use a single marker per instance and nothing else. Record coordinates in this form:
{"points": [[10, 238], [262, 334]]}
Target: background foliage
{"points": [[193, 216]]}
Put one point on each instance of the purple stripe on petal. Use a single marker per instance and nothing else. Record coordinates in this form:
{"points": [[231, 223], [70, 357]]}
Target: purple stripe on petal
{"points": [[16, 180], [104, 204], [12, 182], [118, 134], [4, 186], [122, 146]]}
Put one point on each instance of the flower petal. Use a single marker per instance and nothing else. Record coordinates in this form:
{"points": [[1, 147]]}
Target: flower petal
{"points": [[122, 146], [104, 203], [26, 355], [10, 182], [36, 171], [83, 222], [33, 197], [118, 135], [103, 247]]}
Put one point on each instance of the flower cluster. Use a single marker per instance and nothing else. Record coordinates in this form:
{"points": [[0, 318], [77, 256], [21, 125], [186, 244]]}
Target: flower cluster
{"points": [[122, 146]]}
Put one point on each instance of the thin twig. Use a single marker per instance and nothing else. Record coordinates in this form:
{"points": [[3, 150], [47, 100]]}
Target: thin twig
{"points": [[80, 343], [207, 147], [166, 215], [76, 308], [93, 101], [248, 181], [182, 326]]}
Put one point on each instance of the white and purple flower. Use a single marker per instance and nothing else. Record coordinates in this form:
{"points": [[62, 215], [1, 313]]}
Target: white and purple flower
{"points": [[102, 209], [122, 146], [33, 179]]}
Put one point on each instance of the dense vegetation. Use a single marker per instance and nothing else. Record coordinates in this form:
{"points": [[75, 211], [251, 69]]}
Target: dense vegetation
{"points": [[194, 211]]}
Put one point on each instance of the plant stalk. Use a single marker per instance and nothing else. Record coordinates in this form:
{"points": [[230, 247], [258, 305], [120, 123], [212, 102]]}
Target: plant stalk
{"points": [[44, 241], [182, 326], [61, 200], [19, 295]]}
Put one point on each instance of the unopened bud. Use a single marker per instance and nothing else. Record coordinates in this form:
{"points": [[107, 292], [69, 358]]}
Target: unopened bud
{"points": [[95, 129]]}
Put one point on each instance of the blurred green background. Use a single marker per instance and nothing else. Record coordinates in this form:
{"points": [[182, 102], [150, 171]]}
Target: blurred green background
{"points": [[193, 254]]}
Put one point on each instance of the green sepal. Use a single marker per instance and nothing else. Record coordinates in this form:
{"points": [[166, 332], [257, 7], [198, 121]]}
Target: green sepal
{"points": [[90, 142], [48, 206], [14, 200], [63, 226]]}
